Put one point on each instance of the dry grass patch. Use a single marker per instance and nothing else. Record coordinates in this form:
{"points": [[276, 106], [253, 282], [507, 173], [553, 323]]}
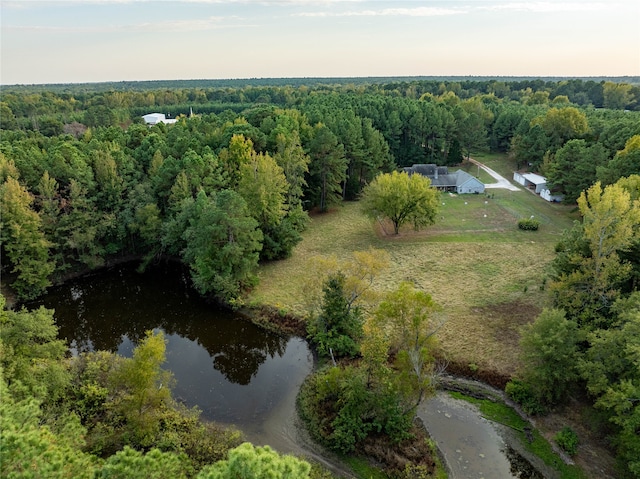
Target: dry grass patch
{"points": [[487, 289]]}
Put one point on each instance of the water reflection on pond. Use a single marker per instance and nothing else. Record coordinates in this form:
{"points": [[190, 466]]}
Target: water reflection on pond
{"points": [[233, 370]]}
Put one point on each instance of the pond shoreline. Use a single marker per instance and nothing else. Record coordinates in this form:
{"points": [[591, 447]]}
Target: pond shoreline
{"points": [[285, 324], [516, 451]]}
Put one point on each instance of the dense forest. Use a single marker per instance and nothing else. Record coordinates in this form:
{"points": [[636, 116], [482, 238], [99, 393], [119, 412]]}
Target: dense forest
{"points": [[86, 180], [233, 181]]}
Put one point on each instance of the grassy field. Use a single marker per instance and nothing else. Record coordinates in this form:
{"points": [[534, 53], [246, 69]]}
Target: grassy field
{"points": [[486, 274]]}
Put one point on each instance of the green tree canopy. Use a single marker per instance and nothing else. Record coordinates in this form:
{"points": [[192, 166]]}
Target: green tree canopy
{"points": [[24, 241], [337, 329], [408, 317], [222, 244], [549, 354], [563, 124], [573, 167], [402, 199], [143, 386], [31, 450], [328, 168], [249, 462], [155, 464], [590, 269], [625, 163]]}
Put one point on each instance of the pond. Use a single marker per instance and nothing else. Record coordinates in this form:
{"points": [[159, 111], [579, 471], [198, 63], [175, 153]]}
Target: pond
{"points": [[234, 371], [237, 373]]}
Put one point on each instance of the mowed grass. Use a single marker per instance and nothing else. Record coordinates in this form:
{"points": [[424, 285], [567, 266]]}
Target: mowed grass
{"points": [[487, 275], [493, 217]]}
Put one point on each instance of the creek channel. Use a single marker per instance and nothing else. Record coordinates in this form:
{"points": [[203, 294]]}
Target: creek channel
{"points": [[235, 372]]}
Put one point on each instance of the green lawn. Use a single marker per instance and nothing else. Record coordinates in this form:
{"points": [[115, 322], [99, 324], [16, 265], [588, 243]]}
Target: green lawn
{"points": [[494, 216]]}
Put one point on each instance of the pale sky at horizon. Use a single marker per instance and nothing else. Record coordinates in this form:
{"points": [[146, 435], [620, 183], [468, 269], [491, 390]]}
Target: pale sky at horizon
{"points": [[75, 41]]}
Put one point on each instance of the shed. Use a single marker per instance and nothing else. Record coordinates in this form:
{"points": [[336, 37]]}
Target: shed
{"points": [[553, 198], [531, 180]]}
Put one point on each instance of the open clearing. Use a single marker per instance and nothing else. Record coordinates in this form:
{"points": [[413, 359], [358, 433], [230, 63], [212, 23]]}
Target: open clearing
{"points": [[486, 274]]}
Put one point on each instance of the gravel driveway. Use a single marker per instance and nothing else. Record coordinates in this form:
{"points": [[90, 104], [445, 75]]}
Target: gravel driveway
{"points": [[501, 181]]}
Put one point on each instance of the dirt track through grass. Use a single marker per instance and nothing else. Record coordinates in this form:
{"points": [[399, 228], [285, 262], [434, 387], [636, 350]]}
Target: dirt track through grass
{"points": [[486, 274]]}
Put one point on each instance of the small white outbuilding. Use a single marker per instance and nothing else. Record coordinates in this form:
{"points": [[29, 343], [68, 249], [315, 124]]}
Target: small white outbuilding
{"points": [[531, 181]]}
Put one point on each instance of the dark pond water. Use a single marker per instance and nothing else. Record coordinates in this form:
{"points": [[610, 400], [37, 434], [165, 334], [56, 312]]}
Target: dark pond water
{"points": [[232, 370]]}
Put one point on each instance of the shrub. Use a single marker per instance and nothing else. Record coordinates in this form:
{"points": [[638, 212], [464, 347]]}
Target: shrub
{"points": [[523, 395], [528, 224], [567, 439]]}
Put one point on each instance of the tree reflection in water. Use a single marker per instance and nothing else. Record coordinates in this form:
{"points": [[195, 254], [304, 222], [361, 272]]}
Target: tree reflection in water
{"points": [[101, 311]]}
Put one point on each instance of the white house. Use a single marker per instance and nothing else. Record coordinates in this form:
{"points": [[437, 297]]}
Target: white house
{"points": [[155, 118], [466, 183]]}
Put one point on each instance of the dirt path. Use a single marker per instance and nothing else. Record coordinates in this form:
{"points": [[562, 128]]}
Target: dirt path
{"points": [[501, 181]]}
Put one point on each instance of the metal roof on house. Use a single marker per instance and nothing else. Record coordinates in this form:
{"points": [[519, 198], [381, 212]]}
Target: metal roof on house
{"points": [[462, 177], [440, 176], [443, 181], [427, 169]]}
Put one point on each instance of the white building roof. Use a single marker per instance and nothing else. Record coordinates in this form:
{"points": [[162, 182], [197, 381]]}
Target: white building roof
{"points": [[535, 179], [154, 118]]}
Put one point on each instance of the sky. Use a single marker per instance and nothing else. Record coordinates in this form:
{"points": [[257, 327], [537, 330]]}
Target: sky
{"points": [[76, 41]]}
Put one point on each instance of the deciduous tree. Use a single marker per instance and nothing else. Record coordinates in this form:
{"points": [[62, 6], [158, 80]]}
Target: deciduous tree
{"points": [[410, 318], [563, 124], [143, 387], [549, 354], [617, 95], [402, 199], [591, 271], [24, 241], [625, 163]]}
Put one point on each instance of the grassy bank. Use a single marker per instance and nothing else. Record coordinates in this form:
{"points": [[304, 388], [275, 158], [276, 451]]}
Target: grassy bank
{"points": [[530, 438], [487, 275]]}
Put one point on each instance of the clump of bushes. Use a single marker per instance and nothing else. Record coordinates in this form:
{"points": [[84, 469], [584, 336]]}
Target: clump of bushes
{"points": [[341, 410], [521, 393], [528, 224], [567, 439]]}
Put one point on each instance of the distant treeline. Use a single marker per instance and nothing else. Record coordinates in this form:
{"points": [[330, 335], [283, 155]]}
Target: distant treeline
{"points": [[300, 81]]}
